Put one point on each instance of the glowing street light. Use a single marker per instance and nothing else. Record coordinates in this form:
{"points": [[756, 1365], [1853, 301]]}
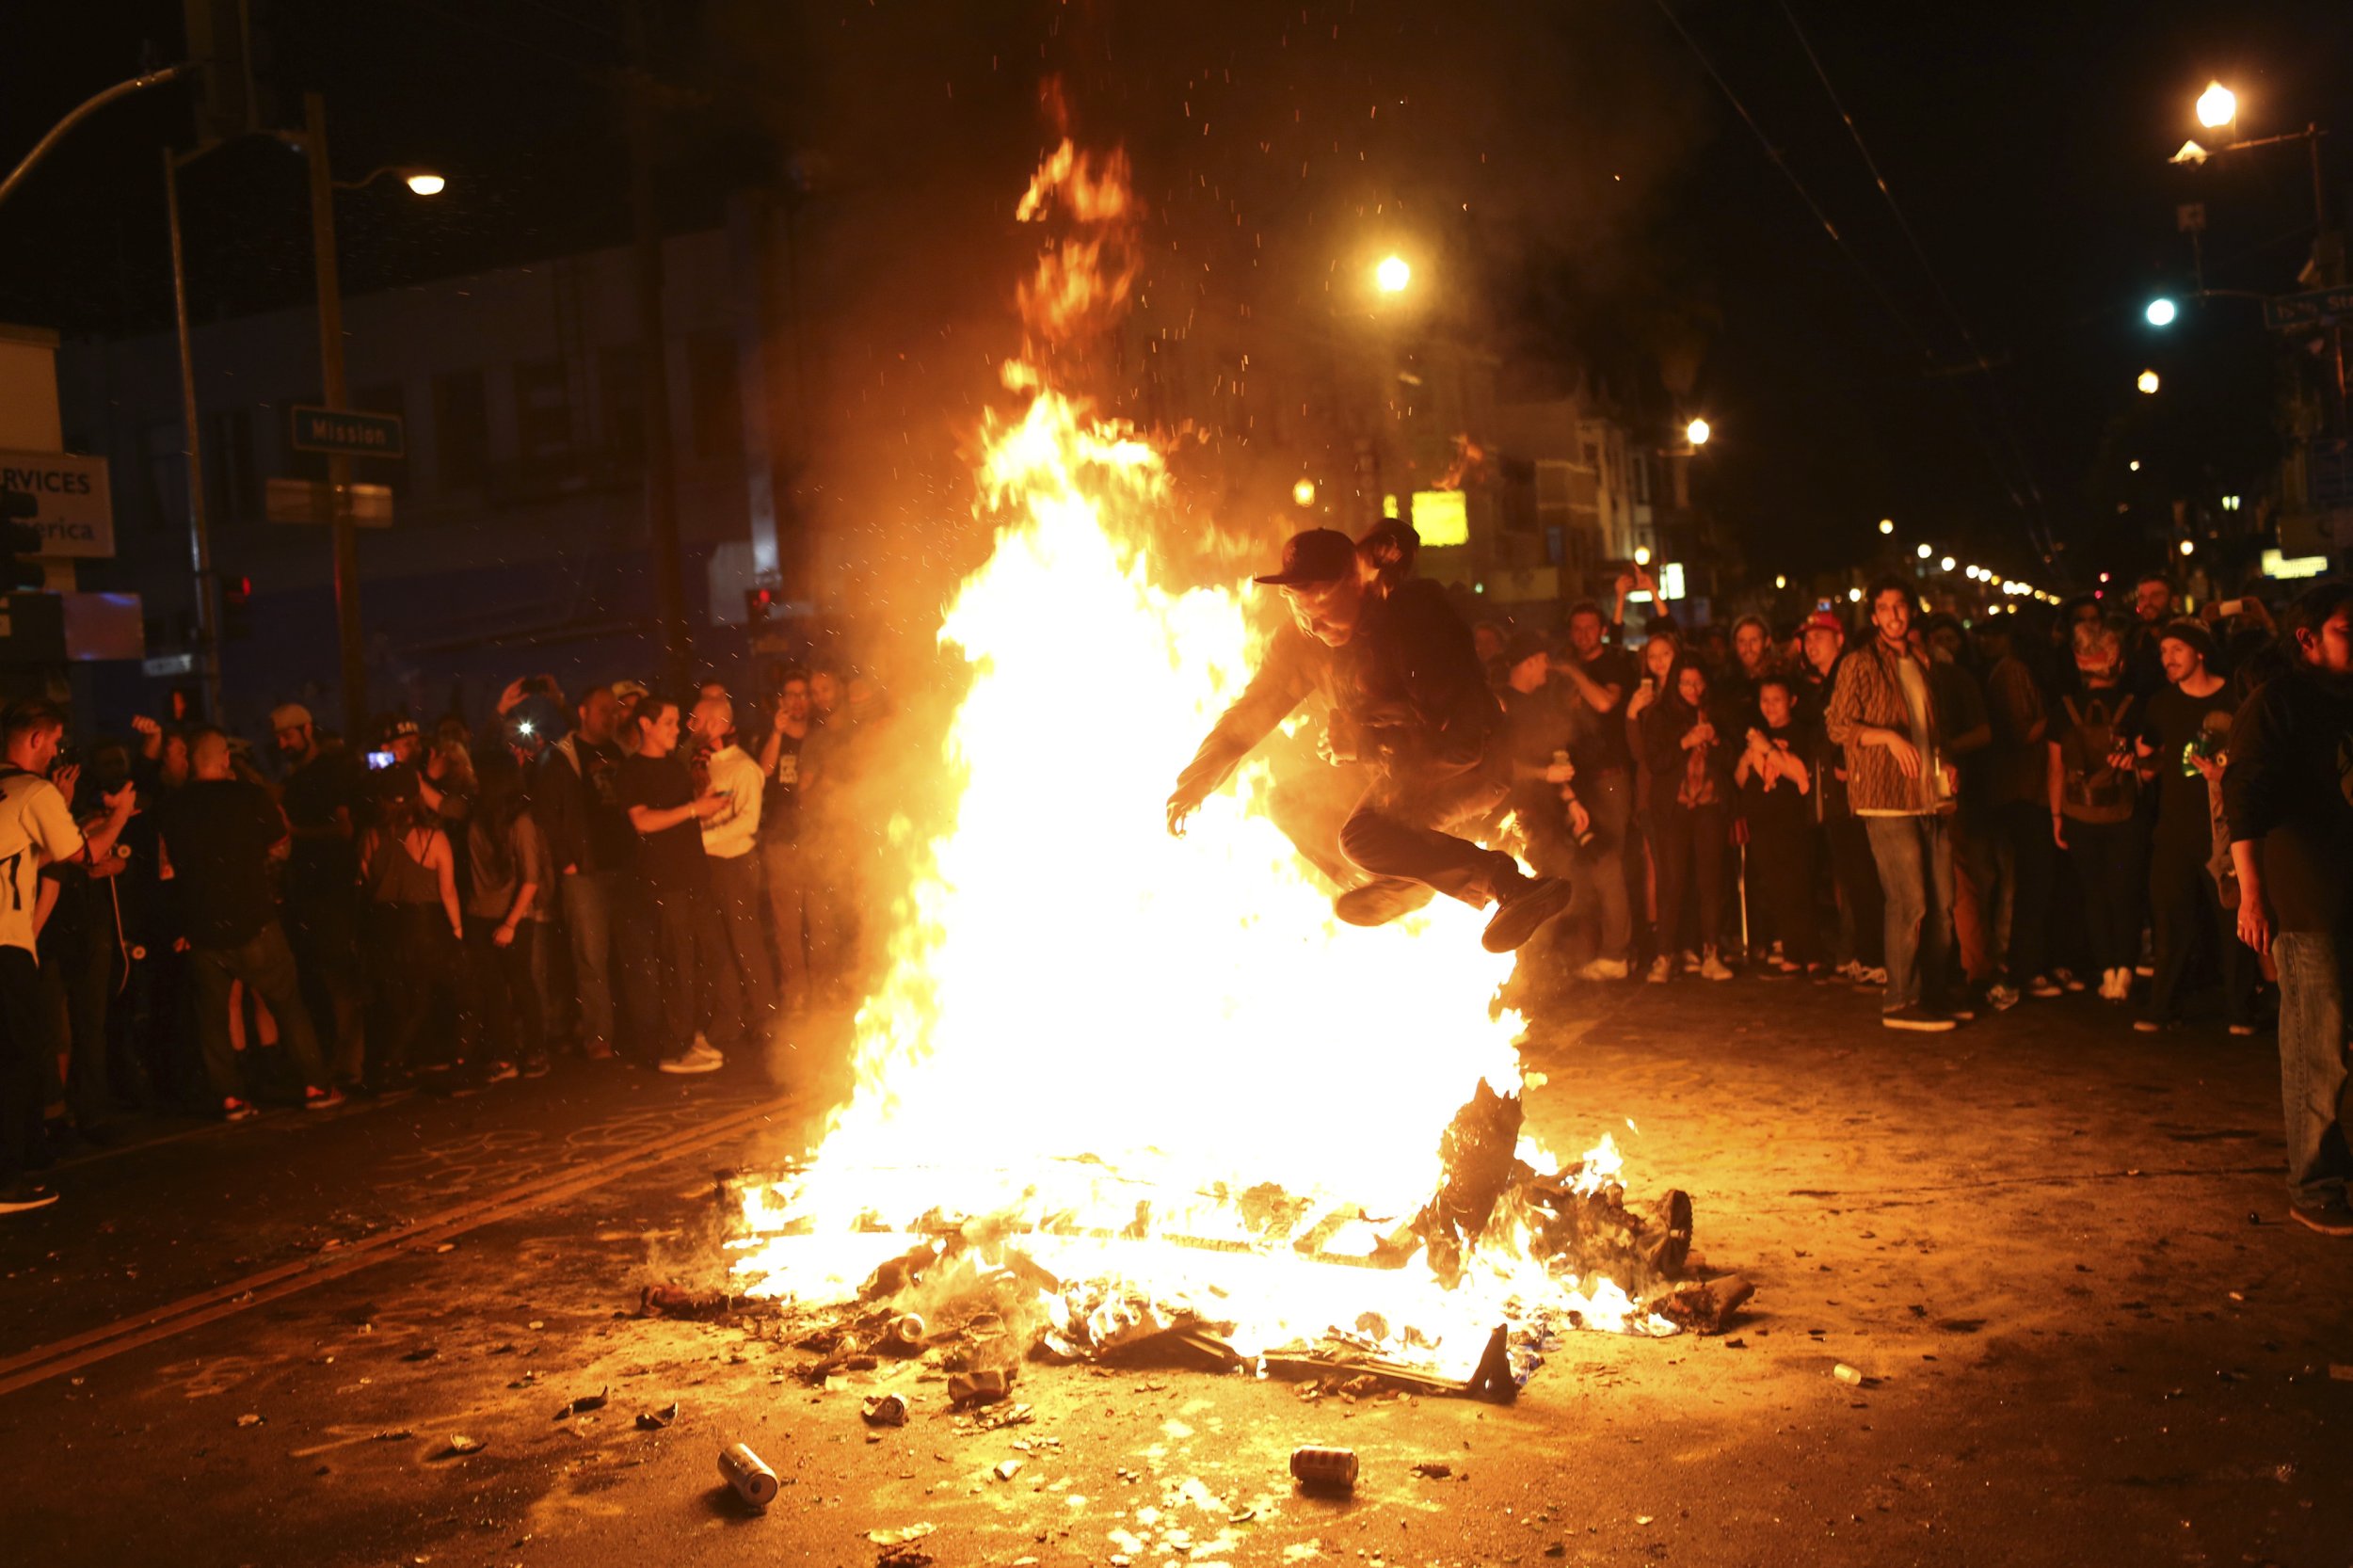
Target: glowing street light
{"points": [[2189, 547], [2147, 381], [1780, 581], [1854, 596], [424, 182], [1697, 432], [2216, 106], [1887, 525], [1926, 553], [1393, 274], [1944, 565], [1304, 492], [2161, 313]]}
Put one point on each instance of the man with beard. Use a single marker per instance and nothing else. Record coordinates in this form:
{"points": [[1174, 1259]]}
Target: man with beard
{"points": [[2288, 791], [325, 798], [1409, 695]]}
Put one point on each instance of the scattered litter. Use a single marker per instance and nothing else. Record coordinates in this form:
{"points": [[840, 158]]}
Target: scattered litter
{"points": [[900, 1537], [748, 1473], [423, 1353], [1847, 1375], [1436, 1469], [536, 1324], [1008, 1469], [446, 1246], [1642, 1518], [461, 1443], [903, 1556], [248, 1419], [886, 1410], [1000, 1416], [586, 1403], [669, 1300], [396, 1435], [982, 1387], [654, 1420], [1324, 1469]]}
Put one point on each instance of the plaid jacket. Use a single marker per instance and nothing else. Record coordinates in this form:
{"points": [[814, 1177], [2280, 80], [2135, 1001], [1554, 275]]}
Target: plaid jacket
{"points": [[1868, 693]]}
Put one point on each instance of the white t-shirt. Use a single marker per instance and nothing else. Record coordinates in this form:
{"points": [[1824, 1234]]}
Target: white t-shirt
{"points": [[36, 828]]}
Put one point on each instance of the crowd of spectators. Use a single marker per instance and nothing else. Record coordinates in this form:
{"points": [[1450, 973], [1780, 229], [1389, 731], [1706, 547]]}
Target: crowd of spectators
{"points": [[192, 927]]}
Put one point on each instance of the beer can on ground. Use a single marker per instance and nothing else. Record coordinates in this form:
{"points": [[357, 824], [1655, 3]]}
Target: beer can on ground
{"points": [[748, 1473], [1324, 1469]]}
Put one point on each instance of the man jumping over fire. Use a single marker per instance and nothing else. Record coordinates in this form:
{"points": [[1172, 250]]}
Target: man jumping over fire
{"points": [[1409, 699]]}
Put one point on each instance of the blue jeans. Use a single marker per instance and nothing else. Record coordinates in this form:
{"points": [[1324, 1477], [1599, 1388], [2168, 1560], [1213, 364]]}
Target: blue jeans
{"points": [[588, 916], [1914, 855], [2313, 1079]]}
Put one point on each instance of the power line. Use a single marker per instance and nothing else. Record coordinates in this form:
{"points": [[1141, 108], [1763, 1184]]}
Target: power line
{"points": [[2001, 413], [1887, 301]]}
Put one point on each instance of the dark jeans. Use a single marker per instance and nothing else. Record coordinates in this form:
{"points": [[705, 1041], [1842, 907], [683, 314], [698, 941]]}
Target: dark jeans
{"points": [[740, 991], [1397, 832], [2022, 830], [28, 1045], [1914, 855], [2182, 897], [323, 923], [690, 960], [418, 956], [505, 990], [1690, 842], [589, 912], [1600, 866], [1856, 870], [2109, 860], [787, 874], [1781, 881], [266, 963], [2313, 1079]]}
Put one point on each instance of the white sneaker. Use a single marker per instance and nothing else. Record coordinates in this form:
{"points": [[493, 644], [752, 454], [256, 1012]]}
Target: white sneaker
{"points": [[702, 1044], [1603, 968], [699, 1059], [1713, 968], [1660, 967]]}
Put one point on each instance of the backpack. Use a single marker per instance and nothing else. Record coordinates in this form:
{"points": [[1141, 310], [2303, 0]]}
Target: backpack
{"points": [[2095, 791]]}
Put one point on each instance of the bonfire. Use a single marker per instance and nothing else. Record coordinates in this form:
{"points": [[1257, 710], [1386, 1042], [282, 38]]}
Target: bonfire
{"points": [[1120, 1094]]}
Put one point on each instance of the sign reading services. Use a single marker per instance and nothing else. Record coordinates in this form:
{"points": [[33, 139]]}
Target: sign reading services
{"points": [[76, 517]]}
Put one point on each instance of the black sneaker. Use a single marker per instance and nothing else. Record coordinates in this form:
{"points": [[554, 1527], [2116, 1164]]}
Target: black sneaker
{"points": [[1520, 912], [1918, 1019], [2333, 1218], [21, 1197], [1381, 900]]}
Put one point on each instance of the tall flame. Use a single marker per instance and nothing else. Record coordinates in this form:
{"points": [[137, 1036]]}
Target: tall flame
{"points": [[1087, 1024]]}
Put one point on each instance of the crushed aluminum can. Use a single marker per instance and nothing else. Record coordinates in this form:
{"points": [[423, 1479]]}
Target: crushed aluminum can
{"points": [[748, 1473], [886, 1410], [1319, 1469]]}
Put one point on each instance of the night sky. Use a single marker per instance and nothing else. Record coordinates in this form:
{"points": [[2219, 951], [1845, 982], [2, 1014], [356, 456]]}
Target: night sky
{"points": [[1593, 192]]}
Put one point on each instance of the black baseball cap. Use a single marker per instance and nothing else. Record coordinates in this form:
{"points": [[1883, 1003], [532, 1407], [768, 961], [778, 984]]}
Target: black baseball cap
{"points": [[1313, 558]]}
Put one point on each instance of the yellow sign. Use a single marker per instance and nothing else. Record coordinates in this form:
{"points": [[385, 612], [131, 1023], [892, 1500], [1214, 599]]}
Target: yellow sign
{"points": [[1441, 516]]}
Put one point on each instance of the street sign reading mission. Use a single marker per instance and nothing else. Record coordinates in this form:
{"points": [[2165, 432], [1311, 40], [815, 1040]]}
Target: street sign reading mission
{"points": [[347, 434]]}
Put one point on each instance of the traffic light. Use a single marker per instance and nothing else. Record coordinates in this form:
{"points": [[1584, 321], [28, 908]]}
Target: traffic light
{"points": [[236, 607], [758, 605], [20, 540]]}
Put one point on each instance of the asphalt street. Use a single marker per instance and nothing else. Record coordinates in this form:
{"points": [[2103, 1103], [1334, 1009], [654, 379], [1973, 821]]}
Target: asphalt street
{"points": [[2054, 1252]]}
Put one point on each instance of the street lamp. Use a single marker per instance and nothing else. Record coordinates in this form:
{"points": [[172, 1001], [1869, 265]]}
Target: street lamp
{"points": [[1393, 274], [1780, 581], [2217, 106], [2147, 381], [1944, 565], [2188, 547], [2161, 313], [1697, 432], [1926, 553], [1887, 525]]}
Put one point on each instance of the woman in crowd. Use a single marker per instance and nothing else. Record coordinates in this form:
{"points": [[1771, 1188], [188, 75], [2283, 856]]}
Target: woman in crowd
{"points": [[1780, 804], [1690, 794], [505, 911], [411, 882]]}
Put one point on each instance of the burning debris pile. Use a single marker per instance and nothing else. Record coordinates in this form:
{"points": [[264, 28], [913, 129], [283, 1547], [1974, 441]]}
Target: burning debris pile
{"points": [[1501, 1249], [1123, 1097]]}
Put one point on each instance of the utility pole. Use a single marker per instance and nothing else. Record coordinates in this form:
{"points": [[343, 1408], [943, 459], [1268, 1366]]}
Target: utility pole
{"points": [[200, 534], [661, 464], [350, 636]]}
